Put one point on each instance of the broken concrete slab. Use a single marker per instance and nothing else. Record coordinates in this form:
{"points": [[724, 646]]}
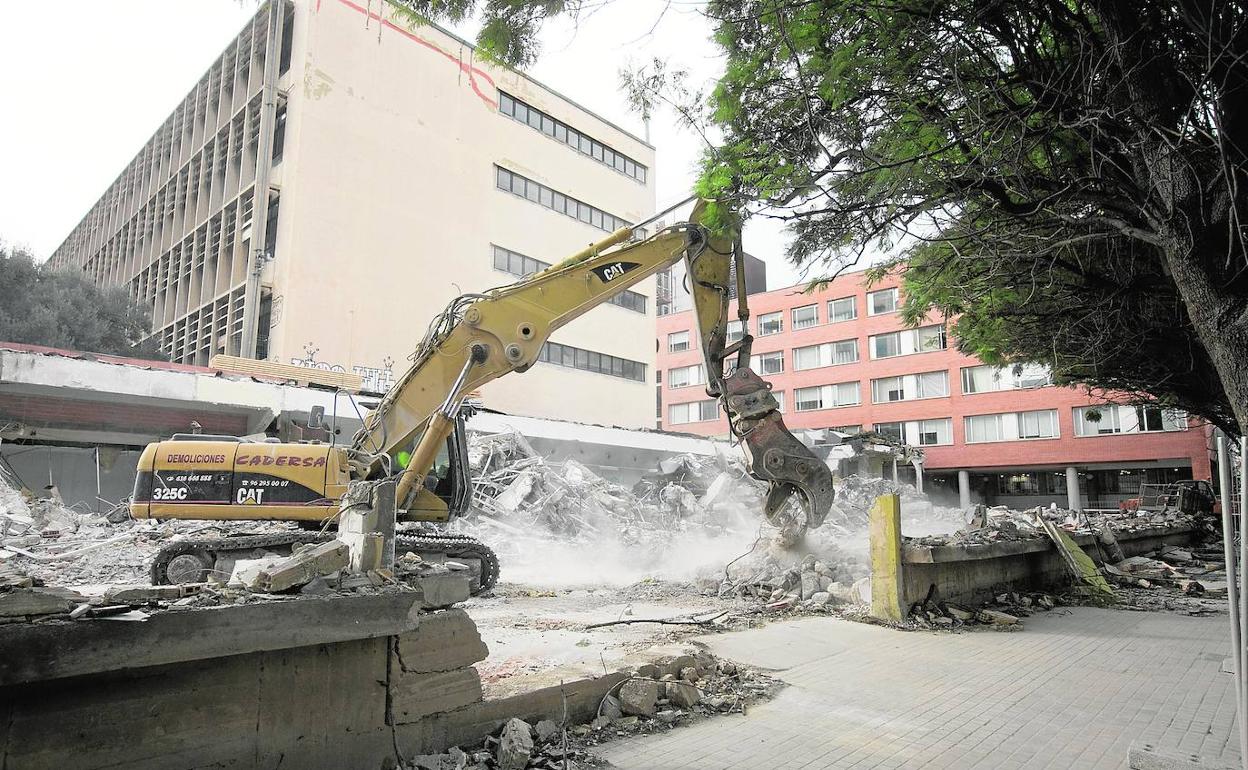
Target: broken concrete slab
{"points": [[996, 618], [300, 567], [442, 589], [37, 601], [445, 640], [141, 594], [42, 651]]}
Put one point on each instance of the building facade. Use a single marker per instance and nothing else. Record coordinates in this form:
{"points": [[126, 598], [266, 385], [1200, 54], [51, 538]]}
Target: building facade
{"points": [[840, 358], [338, 176]]}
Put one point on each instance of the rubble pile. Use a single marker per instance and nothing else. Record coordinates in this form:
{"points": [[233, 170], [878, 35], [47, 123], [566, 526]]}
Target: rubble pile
{"points": [[999, 523], [782, 578], [1003, 613], [515, 489], [654, 697]]}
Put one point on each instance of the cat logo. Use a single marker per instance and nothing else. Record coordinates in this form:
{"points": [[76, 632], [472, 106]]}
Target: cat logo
{"points": [[610, 272], [250, 496]]}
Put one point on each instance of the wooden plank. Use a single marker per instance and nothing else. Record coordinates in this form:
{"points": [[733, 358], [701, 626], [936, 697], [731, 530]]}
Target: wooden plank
{"points": [[32, 652], [302, 375]]}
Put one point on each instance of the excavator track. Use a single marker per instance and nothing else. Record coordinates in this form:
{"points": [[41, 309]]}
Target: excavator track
{"points": [[187, 556]]}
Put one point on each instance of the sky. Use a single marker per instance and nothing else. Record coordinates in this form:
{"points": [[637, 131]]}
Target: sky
{"points": [[84, 88]]}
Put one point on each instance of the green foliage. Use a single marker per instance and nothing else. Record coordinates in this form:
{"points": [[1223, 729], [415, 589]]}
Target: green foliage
{"points": [[1037, 169], [509, 28], [62, 309]]}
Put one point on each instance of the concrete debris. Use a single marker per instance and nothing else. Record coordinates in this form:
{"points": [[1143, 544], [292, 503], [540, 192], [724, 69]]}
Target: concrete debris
{"points": [[999, 523], [306, 563], [515, 745], [21, 603], [639, 696], [723, 687]]}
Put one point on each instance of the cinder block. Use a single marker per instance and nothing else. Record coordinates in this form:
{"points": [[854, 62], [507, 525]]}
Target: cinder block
{"points": [[418, 695], [443, 641]]}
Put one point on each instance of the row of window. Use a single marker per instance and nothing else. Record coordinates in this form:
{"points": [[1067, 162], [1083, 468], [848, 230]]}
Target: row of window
{"points": [[924, 339], [540, 121], [979, 428], [806, 316], [518, 264], [509, 181], [588, 360]]}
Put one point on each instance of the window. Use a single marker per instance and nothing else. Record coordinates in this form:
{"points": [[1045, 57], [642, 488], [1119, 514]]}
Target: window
{"points": [[779, 395], [910, 386], [770, 323], [694, 411], [684, 376], [1038, 424], [847, 429], [768, 363], [1012, 426], [894, 430], [1110, 419], [937, 432], [562, 132], [1018, 484], [826, 396], [922, 340], [590, 361], [987, 379], [826, 354], [931, 385], [805, 317], [982, 428], [677, 342], [888, 389], [886, 345], [736, 330], [844, 309], [930, 338], [517, 264], [883, 301], [523, 187]]}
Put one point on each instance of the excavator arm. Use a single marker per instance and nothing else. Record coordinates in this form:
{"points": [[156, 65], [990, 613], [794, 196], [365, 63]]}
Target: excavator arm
{"points": [[480, 337]]}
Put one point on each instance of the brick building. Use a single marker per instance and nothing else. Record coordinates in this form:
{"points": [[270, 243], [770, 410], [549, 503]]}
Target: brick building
{"points": [[841, 358]]}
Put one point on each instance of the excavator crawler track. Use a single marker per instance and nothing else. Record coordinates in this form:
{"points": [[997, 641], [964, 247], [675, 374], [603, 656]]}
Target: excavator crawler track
{"points": [[207, 549]]}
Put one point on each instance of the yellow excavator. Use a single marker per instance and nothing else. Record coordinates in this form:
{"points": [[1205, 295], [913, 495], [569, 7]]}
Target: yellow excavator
{"points": [[415, 436]]}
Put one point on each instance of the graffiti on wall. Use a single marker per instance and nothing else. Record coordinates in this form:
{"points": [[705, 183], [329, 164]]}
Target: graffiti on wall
{"points": [[377, 379]]}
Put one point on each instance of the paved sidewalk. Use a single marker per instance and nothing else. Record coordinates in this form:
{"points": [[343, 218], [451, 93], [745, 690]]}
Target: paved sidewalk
{"points": [[1073, 690]]}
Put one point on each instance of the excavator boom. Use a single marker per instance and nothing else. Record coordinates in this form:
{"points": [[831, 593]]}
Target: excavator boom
{"points": [[480, 337]]}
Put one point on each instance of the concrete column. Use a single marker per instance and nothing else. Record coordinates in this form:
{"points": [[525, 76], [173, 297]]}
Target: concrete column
{"points": [[964, 489], [887, 602], [918, 474], [894, 469], [1072, 489]]}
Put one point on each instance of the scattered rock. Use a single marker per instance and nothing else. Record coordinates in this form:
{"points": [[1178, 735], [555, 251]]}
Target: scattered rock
{"points": [[820, 598], [547, 730], [515, 745], [683, 694], [639, 696], [689, 674]]}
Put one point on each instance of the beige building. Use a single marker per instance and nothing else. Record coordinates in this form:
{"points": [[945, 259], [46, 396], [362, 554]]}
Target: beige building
{"points": [[397, 172]]}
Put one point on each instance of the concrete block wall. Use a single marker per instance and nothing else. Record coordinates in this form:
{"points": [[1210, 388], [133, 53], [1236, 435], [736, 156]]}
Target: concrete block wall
{"points": [[975, 573], [220, 688]]}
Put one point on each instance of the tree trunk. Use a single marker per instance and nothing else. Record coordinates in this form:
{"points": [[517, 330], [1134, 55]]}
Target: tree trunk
{"points": [[1220, 322]]}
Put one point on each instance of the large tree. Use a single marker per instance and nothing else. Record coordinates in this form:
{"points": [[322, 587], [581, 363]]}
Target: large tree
{"points": [[1068, 177], [42, 306]]}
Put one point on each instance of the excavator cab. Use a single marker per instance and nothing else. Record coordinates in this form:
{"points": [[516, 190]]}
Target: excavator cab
{"points": [[450, 477]]}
